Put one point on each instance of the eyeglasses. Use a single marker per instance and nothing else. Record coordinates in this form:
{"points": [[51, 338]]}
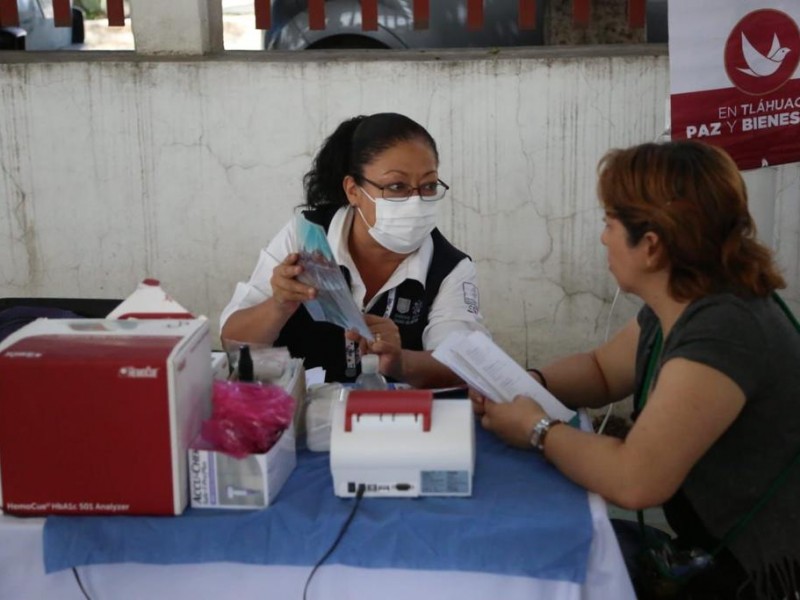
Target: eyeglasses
{"points": [[400, 192]]}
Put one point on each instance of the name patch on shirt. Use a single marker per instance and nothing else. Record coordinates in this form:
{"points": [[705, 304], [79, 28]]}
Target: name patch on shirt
{"points": [[471, 299]]}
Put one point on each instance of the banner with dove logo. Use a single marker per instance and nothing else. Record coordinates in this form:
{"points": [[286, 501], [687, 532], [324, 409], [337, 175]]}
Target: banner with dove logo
{"points": [[734, 77]]}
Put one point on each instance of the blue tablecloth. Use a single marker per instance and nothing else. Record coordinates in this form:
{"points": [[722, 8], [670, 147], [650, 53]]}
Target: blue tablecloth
{"points": [[524, 518]]}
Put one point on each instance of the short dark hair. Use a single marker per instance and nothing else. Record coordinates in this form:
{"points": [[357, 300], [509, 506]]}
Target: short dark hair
{"points": [[354, 144]]}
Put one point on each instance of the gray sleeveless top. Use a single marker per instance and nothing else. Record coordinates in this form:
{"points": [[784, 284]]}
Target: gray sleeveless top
{"points": [[754, 343]]}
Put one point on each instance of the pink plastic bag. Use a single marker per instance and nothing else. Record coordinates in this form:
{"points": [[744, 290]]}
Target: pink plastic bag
{"points": [[247, 418]]}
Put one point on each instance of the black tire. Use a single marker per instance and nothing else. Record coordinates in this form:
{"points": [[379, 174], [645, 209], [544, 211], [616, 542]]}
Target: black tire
{"points": [[12, 38], [346, 42], [78, 30]]}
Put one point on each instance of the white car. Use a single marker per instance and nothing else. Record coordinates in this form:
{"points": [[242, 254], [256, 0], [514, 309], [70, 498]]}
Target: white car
{"points": [[37, 31]]}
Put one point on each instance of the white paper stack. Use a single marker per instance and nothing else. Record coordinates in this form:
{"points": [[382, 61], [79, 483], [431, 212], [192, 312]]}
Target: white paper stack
{"points": [[484, 366]]}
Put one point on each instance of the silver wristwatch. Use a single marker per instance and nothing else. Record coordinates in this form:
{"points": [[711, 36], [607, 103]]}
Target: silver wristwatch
{"points": [[540, 431]]}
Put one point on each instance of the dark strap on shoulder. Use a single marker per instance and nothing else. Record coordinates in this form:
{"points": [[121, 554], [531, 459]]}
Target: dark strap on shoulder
{"points": [[445, 258]]}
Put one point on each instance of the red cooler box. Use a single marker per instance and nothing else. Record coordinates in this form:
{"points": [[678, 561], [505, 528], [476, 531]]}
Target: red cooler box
{"points": [[96, 415]]}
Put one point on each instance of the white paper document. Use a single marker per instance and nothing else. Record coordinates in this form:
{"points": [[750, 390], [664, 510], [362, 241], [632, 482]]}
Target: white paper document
{"points": [[484, 366]]}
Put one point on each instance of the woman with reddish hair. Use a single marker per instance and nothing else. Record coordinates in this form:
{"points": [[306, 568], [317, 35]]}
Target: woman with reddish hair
{"points": [[712, 363]]}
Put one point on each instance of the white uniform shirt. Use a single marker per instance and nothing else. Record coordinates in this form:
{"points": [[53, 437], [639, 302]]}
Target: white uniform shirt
{"points": [[456, 307]]}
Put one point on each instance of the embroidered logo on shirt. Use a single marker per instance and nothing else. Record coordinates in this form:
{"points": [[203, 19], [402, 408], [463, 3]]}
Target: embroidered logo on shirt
{"points": [[408, 312], [471, 299], [403, 304]]}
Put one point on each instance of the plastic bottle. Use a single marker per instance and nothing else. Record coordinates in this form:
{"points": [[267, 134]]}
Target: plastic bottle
{"points": [[245, 366], [371, 378]]}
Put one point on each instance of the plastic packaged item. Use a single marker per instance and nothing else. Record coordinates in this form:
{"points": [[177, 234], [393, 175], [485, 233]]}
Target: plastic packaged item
{"points": [[318, 413], [149, 301], [247, 418], [269, 363], [371, 378]]}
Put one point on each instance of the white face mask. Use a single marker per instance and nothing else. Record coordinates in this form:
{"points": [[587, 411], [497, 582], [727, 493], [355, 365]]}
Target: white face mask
{"points": [[402, 226]]}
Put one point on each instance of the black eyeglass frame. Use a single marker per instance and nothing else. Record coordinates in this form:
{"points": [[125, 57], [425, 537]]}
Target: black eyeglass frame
{"points": [[382, 188]]}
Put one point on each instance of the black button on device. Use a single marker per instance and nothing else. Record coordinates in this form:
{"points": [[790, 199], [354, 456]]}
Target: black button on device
{"points": [[403, 487]]}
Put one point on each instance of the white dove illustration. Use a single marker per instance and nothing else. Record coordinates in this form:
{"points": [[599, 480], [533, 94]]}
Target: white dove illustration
{"points": [[760, 65]]}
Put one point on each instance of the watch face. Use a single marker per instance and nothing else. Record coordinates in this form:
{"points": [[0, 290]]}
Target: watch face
{"points": [[538, 431]]}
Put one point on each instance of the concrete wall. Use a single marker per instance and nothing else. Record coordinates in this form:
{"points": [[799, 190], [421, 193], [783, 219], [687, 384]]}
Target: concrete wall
{"points": [[120, 167]]}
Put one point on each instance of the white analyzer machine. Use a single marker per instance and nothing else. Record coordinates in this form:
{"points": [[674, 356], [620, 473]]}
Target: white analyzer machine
{"points": [[401, 443]]}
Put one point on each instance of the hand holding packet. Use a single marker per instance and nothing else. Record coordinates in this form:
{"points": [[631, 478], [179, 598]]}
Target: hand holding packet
{"points": [[484, 366], [334, 302]]}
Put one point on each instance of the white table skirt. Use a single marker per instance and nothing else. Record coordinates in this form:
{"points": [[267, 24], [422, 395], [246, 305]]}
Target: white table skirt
{"points": [[22, 576]]}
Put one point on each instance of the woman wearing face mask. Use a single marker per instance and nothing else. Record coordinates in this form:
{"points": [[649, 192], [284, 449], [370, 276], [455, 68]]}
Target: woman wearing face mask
{"points": [[375, 188]]}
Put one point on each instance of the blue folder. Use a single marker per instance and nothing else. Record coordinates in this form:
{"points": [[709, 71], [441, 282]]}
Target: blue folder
{"points": [[524, 518]]}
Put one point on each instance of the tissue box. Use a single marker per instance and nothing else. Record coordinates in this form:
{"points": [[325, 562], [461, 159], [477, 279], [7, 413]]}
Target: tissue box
{"points": [[217, 480]]}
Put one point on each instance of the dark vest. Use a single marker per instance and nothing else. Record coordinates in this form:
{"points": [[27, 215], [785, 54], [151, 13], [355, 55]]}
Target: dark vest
{"points": [[324, 345]]}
